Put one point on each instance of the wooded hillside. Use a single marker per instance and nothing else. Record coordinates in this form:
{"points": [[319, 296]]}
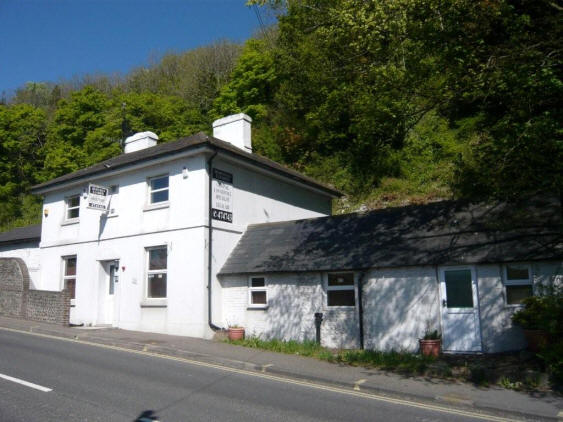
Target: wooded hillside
{"points": [[391, 101]]}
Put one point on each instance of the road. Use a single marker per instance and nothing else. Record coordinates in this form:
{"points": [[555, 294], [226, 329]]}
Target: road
{"points": [[99, 384]]}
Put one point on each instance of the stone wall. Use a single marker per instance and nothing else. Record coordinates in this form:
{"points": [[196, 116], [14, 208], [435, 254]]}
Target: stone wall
{"points": [[17, 300]]}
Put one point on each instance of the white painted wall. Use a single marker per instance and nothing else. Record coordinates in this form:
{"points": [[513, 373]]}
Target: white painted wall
{"points": [[293, 300], [29, 252]]}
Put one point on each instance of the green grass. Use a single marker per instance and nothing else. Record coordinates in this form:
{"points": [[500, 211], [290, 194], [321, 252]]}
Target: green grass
{"points": [[398, 361]]}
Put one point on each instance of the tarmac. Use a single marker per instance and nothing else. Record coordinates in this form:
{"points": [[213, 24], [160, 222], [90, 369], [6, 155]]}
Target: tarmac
{"points": [[494, 400]]}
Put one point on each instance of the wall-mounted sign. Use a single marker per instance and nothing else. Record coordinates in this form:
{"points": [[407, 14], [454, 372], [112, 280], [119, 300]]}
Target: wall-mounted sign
{"points": [[97, 197], [222, 196]]}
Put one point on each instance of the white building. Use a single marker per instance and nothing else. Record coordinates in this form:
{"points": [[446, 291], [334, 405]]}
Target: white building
{"points": [[176, 210]]}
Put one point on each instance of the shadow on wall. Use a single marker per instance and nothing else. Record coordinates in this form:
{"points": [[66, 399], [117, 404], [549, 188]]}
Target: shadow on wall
{"points": [[399, 306]]}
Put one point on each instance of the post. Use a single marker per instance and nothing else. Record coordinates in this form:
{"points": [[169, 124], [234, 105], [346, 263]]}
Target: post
{"points": [[318, 321]]}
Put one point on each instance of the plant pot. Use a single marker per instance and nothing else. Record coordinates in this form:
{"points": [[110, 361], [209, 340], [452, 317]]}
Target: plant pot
{"points": [[235, 333], [430, 347], [537, 339]]}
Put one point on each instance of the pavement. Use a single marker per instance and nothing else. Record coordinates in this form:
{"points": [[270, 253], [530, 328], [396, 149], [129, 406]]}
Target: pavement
{"points": [[488, 400]]}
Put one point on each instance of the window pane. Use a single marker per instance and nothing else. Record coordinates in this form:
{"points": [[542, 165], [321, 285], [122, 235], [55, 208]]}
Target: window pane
{"points": [[159, 183], [258, 298], [70, 267], [74, 201], [157, 285], [71, 286], [459, 293], [73, 213], [344, 279], [258, 282], [515, 294], [161, 196], [157, 259], [516, 273], [341, 298]]}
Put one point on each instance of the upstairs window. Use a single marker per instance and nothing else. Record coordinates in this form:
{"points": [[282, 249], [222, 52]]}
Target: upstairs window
{"points": [[518, 283], [340, 289], [69, 275], [158, 189], [257, 292], [72, 204], [157, 269]]}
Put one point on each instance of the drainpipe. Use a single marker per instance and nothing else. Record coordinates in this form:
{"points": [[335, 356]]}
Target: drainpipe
{"points": [[210, 249], [361, 307]]}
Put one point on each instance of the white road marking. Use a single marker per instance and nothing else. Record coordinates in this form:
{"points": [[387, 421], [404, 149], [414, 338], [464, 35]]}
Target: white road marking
{"points": [[27, 384], [350, 392], [358, 383]]}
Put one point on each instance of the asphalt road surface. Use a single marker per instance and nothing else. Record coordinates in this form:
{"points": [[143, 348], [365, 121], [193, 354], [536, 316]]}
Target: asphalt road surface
{"points": [[70, 381]]}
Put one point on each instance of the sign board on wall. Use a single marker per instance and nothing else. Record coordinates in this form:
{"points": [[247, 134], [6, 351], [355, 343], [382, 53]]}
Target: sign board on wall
{"points": [[222, 196], [98, 197]]}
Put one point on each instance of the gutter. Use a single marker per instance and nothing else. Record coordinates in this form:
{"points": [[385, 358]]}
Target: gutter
{"points": [[210, 248]]}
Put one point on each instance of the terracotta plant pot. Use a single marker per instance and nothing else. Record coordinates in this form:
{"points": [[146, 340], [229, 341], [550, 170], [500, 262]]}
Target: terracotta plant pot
{"points": [[430, 347], [537, 339], [235, 333]]}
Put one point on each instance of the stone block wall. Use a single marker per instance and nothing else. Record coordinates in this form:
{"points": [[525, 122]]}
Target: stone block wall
{"points": [[17, 300]]}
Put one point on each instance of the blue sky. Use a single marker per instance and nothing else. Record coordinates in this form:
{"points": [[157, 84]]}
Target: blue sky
{"points": [[46, 40]]}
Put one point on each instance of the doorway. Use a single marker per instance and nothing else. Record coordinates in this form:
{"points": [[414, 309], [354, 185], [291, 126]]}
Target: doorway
{"points": [[108, 294], [459, 303]]}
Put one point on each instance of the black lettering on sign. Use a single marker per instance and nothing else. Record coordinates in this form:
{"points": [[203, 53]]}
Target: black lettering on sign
{"points": [[223, 176], [221, 215]]}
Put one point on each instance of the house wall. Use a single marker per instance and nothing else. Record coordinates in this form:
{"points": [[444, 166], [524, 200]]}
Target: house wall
{"points": [[29, 253], [498, 332], [182, 225], [399, 305], [293, 300]]}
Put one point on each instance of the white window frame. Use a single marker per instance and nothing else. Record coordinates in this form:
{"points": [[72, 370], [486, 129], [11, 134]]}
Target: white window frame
{"points": [[520, 282], [150, 191], [69, 208], [149, 272], [352, 287], [257, 289], [66, 277]]}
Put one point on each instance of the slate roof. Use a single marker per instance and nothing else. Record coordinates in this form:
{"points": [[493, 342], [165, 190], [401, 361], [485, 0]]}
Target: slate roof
{"points": [[21, 234], [169, 148], [441, 233]]}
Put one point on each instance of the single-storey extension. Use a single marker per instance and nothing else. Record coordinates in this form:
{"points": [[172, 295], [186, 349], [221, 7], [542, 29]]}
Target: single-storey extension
{"points": [[383, 278]]}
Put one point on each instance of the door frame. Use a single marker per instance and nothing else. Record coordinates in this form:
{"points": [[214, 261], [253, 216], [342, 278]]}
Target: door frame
{"points": [[105, 275], [476, 301]]}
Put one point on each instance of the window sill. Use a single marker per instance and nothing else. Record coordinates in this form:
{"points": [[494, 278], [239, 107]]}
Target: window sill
{"points": [[257, 307], [154, 303], [157, 206], [70, 222]]}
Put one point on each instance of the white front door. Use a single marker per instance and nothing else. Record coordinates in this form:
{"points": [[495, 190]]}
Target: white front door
{"points": [[107, 313], [460, 310]]}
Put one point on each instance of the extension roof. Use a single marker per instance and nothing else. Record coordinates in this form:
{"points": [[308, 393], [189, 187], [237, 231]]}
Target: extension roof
{"points": [[441, 233], [21, 235], [184, 144]]}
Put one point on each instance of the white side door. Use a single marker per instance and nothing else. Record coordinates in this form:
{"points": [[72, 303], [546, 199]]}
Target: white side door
{"points": [[460, 310]]}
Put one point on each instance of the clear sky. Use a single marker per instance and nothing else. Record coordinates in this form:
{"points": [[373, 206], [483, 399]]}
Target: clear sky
{"points": [[46, 40]]}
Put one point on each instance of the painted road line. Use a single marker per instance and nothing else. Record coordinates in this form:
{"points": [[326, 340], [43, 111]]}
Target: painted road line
{"points": [[358, 383], [27, 384], [308, 384]]}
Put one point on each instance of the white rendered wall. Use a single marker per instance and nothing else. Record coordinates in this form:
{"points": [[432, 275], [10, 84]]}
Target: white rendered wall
{"points": [[29, 252], [293, 300]]}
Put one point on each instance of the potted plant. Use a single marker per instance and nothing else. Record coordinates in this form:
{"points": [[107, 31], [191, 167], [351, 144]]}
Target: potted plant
{"points": [[235, 332], [431, 343], [534, 319]]}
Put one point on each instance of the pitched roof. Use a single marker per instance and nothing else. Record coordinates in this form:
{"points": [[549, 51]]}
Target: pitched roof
{"points": [[184, 144], [21, 234], [442, 233]]}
